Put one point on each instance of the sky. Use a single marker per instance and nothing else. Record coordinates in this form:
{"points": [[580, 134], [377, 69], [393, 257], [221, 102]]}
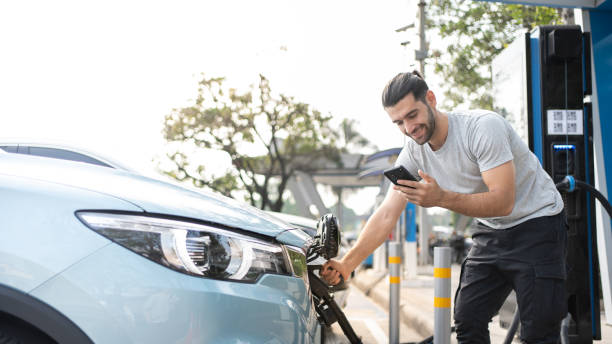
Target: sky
{"points": [[102, 75]]}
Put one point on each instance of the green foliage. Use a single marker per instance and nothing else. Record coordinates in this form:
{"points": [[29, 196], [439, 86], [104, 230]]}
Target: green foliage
{"points": [[267, 137], [476, 32]]}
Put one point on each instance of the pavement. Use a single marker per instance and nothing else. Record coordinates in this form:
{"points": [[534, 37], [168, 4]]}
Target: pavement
{"points": [[369, 321], [416, 301]]}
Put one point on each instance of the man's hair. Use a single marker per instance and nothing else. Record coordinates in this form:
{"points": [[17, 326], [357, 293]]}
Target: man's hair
{"points": [[403, 84]]}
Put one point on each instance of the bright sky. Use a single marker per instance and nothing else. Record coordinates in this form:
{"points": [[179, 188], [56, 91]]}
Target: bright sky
{"points": [[102, 75]]}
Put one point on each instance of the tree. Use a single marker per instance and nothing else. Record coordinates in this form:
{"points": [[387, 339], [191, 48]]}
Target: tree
{"points": [[350, 139], [477, 31], [267, 137]]}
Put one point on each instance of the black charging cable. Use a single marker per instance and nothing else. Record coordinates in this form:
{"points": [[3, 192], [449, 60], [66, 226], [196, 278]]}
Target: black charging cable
{"points": [[568, 184]]}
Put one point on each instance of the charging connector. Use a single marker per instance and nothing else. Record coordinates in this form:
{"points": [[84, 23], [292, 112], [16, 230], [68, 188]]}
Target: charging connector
{"points": [[570, 184]]}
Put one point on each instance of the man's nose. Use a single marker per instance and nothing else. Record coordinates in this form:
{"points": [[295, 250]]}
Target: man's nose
{"points": [[406, 128]]}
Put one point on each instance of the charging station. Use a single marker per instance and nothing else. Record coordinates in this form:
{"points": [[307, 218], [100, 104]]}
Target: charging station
{"points": [[560, 134]]}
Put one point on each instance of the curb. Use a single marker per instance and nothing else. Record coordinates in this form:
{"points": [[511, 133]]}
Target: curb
{"points": [[367, 283]]}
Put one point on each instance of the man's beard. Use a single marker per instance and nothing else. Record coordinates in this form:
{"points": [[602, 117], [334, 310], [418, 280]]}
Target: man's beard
{"points": [[430, 127]]}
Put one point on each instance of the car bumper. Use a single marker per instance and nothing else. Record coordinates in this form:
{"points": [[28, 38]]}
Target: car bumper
{"points": [[117, 296]]}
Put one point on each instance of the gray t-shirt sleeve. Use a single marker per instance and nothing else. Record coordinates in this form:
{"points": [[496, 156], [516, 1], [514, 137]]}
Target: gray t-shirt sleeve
{"points": [[490, 142], [407, 160]]}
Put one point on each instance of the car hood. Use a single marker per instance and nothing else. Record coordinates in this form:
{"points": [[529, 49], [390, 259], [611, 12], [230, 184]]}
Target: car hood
{"points": [[151, 195]]}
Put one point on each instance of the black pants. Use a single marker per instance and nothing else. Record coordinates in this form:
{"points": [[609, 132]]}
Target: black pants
{"points": [[529, 259]]}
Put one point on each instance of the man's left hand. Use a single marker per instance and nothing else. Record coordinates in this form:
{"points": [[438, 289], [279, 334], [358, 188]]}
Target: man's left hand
{"points": [[426, 194]]}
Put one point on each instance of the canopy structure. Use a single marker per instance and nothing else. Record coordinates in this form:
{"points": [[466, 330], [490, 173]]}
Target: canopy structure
{"points": [[356, 171]]}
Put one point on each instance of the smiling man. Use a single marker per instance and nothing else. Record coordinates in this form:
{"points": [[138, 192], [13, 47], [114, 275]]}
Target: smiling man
{"points": [[475, 164]]}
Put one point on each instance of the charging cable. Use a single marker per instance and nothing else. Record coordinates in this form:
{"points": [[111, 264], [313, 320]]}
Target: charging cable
{"points": [[568, 184]]}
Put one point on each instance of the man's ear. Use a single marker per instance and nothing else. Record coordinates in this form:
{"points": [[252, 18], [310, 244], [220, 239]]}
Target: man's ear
{"points": [[431, 99]]}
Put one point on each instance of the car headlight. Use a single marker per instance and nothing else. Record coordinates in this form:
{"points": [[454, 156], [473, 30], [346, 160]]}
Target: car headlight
{"points": [[298, 261], [193, 248]]}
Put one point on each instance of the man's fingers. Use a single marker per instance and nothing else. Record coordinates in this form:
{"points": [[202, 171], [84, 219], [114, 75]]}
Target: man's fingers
{"points": [[405, 189], [336, 278], [409, 183], [329, 274], [410, 196], [331, 271], [426, 176]]}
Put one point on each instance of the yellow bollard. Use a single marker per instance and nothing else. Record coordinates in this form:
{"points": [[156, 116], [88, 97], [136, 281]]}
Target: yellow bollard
{"points": [[442, 290], [395, 262]]}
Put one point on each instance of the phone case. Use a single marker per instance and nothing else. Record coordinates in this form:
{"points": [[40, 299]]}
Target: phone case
{"points": [[397, 173]]}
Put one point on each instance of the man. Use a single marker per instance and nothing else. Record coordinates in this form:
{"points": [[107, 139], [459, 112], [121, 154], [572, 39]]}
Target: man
{"points": [[475, 164]]}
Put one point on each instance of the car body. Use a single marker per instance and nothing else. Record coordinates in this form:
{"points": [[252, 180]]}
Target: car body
{"points": [[95, 254], [306, 224]]}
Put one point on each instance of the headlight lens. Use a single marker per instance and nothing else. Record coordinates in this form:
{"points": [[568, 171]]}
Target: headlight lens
{"points": [[192, 248], [298, 261]]}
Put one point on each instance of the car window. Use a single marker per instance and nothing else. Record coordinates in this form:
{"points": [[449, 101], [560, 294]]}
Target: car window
{"points": [[9, 149], [63, 154]]}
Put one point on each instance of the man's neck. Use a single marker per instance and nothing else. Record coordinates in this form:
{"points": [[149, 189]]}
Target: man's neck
{"points": [[441, 132]]}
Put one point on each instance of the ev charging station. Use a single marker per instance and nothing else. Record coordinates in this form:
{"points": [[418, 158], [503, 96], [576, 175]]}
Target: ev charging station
{"points": [[560, 133], [566, 88]]}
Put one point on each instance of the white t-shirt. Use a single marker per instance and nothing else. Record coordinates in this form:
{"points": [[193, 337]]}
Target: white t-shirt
{"points": [[478, 141]]}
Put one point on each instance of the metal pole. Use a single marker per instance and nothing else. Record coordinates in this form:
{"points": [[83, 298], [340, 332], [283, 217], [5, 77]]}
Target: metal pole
{"points": [[395, 262], [424, 230], [442, 290], [423, 45], [340, 207], [410, 245], [401, 238]]}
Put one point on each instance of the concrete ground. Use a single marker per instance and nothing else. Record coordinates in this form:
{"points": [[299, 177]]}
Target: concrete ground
{"points": [[416, 302], [369, 320]]}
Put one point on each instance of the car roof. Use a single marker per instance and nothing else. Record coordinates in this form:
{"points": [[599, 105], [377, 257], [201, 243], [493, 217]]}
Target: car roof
{"points": [[58, 145]]}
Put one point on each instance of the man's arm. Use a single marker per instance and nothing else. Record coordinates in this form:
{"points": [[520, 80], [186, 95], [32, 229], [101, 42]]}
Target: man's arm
{"points": [[498, 201], [375, 232]]}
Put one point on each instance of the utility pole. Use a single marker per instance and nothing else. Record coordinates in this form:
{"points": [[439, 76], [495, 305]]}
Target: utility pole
{"points": [[421, 54]]}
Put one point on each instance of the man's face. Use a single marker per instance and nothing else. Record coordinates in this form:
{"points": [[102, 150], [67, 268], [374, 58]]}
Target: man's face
{"points": [[414, 118]]}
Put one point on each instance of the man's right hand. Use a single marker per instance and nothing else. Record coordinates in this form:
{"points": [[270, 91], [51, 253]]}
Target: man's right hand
{"points": [[331, 271]]}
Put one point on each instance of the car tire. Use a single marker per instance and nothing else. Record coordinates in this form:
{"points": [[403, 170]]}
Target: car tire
{"points": [[17, 331]]}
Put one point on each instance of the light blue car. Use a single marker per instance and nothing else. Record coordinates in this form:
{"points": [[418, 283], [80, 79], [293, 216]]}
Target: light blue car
{"points": [[93, 254]]}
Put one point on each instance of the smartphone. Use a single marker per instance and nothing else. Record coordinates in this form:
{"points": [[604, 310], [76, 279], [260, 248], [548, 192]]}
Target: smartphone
{"points": [[397, 173]]}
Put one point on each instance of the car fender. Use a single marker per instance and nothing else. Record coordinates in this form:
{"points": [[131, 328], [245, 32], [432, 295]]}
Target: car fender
{"points": [[39, 314]]}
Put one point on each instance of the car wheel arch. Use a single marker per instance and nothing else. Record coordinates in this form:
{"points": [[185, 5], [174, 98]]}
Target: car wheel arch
{"points": [[40, 315]]}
